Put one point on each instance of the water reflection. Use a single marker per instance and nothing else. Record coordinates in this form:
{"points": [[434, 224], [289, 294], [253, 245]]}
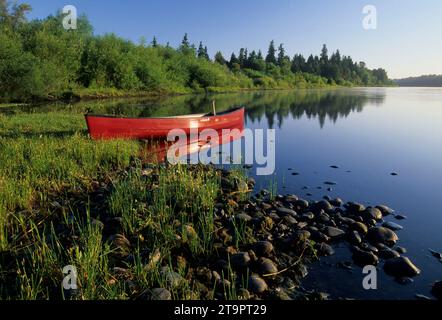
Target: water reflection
{"points": [[274, 106]]}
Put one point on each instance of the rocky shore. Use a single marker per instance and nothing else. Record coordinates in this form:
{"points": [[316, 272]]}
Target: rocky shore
{"points": [[241, 243]]}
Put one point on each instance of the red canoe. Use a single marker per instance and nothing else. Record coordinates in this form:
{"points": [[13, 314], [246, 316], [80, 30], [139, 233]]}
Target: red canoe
{"points": [[108, 127]]}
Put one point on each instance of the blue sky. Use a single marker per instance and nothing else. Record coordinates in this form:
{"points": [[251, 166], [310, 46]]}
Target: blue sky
{"points": [[407, 41]]}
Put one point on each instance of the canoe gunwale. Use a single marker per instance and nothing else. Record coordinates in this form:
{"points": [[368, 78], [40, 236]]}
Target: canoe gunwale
{"points": [[196, 116]]}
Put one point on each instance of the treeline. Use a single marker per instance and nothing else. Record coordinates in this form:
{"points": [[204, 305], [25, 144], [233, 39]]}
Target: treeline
{"points": [[39, 59], [422, 81]]}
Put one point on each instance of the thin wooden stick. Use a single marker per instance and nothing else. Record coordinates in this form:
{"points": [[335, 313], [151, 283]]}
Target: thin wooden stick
{"points": [[285, 269], [213, 106]]}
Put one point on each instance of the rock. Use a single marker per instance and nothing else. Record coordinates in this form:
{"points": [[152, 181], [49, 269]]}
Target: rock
{"points": [[285, 211], [302, 225], [291, 198], [266, 266], [401, 250], [323, 217], [243, 294], [401, 267], [382, 235], [400, 217], [436, 290], [359, 227], [160, 294], [301, 235], [289, 220], [330, 183], [308, 216], [404, 281], [325, 249], [372, 213], [172, 278], [263, 248], [336, 202], [333, 232], [322, 205], [364, 258], [394, 174], [385, 210], [301, 203], [120, 246], [318, 236], [392, 226], [436, 254], [240, 260], [334, 167], [256, 284], [387, 253], [354, 207], [354, 237], [204, 274], [368, 247], [243, 217]]}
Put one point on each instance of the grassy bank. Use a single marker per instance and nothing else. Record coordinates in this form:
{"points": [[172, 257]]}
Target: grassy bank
{"points": [[130, 228]]}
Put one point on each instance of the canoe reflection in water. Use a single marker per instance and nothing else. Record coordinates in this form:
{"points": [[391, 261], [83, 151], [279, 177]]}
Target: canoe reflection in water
{"points": [[202, 147]]}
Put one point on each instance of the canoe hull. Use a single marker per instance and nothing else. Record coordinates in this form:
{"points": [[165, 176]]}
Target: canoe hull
{"points": [[110, 127]]}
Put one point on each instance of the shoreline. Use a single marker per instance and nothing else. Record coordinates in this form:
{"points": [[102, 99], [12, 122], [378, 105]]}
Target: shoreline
{"points": [[109, 94]]}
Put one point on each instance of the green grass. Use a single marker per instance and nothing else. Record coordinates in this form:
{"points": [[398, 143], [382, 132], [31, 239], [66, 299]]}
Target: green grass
{"points": [[50, 174]]}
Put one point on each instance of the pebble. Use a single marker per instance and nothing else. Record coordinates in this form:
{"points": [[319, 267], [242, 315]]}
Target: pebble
{"points": [[359, 227], [400, 217], [325, 250], [387, 253], [266, 266], [364, 258], [330, 183], [372, 213], [333, 232], [256, 284], [354, 237], [385, 210], [382, 235], [286, 211], [401, 267], [263, 248], [401, 250], [240, 260], [160, 294], [392, 226]]}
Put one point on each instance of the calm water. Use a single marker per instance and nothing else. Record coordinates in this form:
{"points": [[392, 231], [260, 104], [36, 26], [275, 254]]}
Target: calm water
{"points": [[368, 133]]}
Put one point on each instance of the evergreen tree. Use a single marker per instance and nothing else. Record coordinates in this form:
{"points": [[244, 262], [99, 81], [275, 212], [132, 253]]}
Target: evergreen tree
{"points": [[219, 58], [201, 53], [154, 42], [185, 44], [324, 54], [281, 55], [271, 58]]}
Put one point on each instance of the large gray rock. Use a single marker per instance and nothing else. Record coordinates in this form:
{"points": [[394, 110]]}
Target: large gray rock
{"points": [[401, 267]]}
